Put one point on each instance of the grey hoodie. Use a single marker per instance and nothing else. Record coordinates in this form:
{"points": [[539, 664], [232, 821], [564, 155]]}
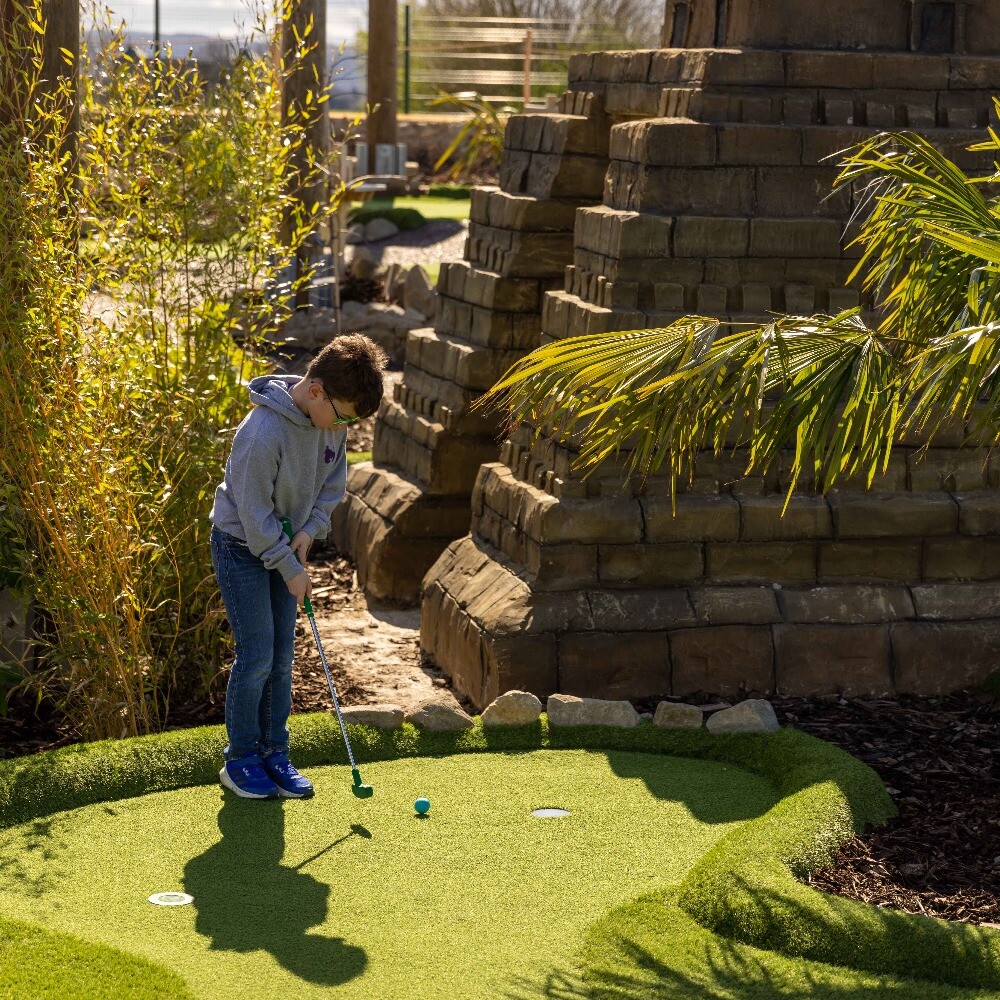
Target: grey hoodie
{"points": [[281, 465]]}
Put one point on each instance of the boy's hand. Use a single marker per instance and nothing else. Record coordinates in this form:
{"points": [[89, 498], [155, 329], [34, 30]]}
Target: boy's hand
{"points": [[300, 545], [300, 587]]}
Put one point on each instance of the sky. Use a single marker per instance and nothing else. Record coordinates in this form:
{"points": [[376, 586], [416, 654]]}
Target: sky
{"points": [[225, 18]]}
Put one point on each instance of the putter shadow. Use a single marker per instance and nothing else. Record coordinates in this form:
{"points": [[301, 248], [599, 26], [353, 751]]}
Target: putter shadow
{"points": [[247, 900], [356, 830]]}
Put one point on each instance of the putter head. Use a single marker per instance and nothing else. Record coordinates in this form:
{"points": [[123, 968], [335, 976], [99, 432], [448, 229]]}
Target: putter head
{"points": [[360, 790]]}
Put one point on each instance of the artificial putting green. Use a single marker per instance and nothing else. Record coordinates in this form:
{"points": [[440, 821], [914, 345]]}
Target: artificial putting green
{"points": [[337, 897], [734, 921]]}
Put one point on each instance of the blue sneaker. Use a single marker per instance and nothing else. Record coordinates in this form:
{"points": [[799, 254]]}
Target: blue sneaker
{"points": [[290, 783], [248, 779]]}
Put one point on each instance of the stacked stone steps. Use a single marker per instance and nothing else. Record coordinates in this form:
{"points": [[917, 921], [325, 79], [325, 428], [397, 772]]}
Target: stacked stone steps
{"points": [[717, 592], [429, 441], [498, 633], [729, 220], [881, 90]]}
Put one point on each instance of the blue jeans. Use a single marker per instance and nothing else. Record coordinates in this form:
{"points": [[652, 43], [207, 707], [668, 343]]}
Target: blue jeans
{"points": [[262, 614]]}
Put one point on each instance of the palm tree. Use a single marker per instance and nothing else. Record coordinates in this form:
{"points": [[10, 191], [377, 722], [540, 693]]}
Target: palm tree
{"points": [[833, 391]]}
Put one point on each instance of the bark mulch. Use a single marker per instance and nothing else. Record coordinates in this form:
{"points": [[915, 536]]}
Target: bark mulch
{"points": [[940, 761]]}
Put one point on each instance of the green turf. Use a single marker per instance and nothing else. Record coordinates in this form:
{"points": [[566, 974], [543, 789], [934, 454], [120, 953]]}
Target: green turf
{"points": [[739, 924], [412, 212], [335, 897], [354, 457]]}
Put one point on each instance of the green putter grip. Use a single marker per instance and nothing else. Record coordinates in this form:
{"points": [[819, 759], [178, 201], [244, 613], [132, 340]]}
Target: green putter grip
{"points": [[286, 526]]}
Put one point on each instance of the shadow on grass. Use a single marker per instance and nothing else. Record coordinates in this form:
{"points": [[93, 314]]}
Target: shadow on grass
{"points": [[651, 949], [247, 900]]}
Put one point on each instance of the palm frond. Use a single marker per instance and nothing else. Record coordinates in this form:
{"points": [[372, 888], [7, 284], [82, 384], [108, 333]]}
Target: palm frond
{"points": [[928, 232], [825, 388]]}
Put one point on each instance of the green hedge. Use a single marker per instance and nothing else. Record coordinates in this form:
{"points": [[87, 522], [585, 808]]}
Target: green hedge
{"points": [[745, 888]]}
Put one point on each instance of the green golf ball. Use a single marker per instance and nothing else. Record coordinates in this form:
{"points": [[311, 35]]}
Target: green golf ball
{"points": [[422, 805]]}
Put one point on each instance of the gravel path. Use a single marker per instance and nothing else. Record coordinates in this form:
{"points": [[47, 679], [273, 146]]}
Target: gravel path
{"points": [[438, 240]]}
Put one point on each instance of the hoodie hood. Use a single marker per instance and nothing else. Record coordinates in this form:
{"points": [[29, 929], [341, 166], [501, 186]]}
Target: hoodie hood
{"points": [[275, 392]]}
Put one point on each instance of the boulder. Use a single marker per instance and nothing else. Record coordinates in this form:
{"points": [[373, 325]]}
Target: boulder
{"points": [[515, 708], [418, 292], [674, 715], [354, 234], [567, 710], [439, 716], [380, 716], [380, 229], [755, 715], [363, 265]]}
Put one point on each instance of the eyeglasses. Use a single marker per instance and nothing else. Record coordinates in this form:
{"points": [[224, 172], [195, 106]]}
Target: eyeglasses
{"points": [[340, 419]]}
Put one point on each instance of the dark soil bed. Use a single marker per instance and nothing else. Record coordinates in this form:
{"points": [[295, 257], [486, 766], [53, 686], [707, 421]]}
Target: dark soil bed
{"points": [[940, 760]]}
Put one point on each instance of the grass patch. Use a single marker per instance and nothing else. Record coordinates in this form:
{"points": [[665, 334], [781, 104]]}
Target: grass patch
{"points": [[410, 213], [353, 457], [734, 923], [459, 191], [358, 885]]}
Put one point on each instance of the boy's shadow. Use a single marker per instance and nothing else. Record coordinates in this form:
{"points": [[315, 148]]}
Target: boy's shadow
{"points": [[247, 899]]}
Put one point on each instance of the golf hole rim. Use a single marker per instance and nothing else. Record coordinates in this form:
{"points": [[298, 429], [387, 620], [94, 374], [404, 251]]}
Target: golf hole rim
{"points": [[550, 812], [170, 898]]}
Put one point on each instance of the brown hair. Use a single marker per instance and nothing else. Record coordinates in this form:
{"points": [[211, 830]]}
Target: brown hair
{"points": [[350, 368]]}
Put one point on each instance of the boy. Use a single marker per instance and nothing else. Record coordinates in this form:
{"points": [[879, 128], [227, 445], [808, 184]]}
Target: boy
{"points": [[288, 459]]}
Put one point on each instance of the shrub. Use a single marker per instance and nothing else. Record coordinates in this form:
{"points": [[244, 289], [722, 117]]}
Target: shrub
{"points": [[116, 423]]}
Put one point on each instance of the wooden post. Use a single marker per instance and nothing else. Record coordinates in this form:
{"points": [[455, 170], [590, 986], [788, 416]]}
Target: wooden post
{"points": [[383, 27], [304, 72], [527, 67], [62, 35]]}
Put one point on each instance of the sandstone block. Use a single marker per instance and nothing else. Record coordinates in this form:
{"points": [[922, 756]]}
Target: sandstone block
{"points": [[664, 142], [614, 664], [650, 565], [935, 659], [418, 291], [513, 708], [755, 715], [690, 518], [766, 518], [735, 605], [439, 716], [956, 601], [759, 145], [761, 562], [567, 710], [979, 512], [711, 300], [711, 237], [561, 567], [380, 716], [677, 715], [645, 610], [846, 605], [882, 515], [722, 660], [824, 659], [794, 237], [756, 298], [884, 561], [961, 558]]}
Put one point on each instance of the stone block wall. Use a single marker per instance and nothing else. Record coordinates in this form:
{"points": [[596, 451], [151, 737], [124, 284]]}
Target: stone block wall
{"points": [[406, 505], [574, 586], [624, 595]]}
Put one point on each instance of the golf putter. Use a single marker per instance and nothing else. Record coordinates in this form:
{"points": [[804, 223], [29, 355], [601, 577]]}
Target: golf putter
{"points": [[361, 790]]}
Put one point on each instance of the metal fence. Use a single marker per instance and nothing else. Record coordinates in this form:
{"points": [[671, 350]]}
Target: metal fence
{"points": [[504, 60]]}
